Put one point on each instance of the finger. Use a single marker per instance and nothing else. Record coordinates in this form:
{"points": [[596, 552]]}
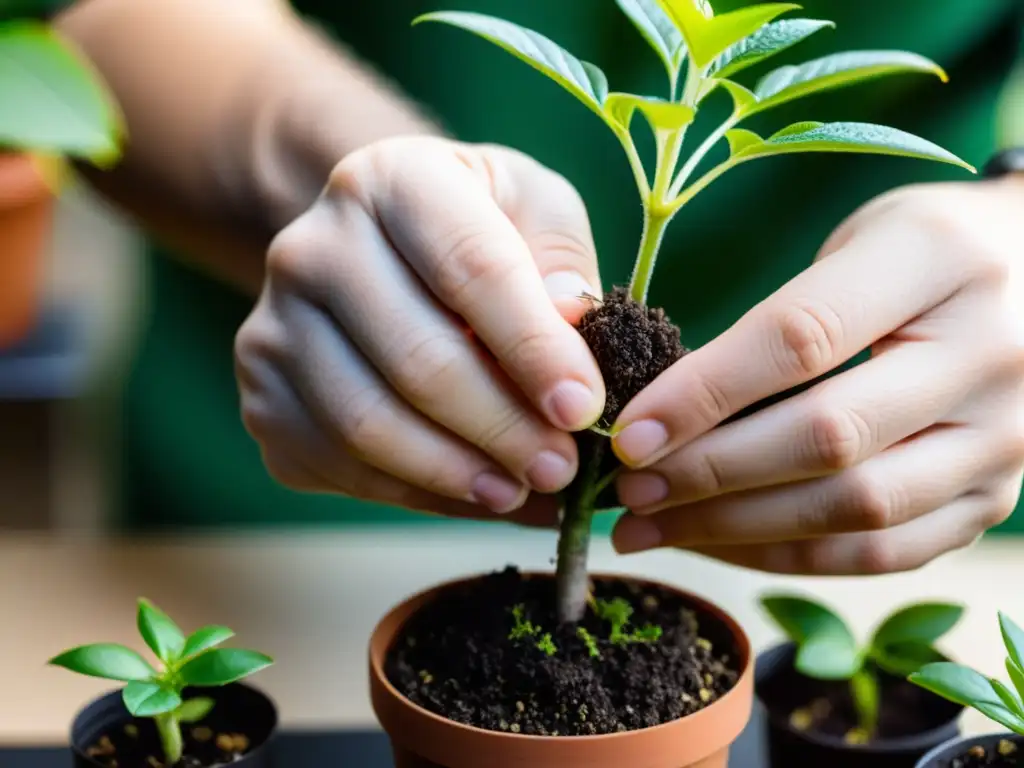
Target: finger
{"points": [[907, 481], [818, 321], [441, 216], [423, 353], [905, 548], [836, 425], [552, 218]]}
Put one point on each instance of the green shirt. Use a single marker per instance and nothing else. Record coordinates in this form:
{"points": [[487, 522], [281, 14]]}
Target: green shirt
{"points": [[189, 459]]}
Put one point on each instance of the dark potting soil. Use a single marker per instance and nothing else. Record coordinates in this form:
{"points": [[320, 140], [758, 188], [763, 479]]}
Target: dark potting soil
{"points": [[1005, 754], [135, 744], [456, 659]]}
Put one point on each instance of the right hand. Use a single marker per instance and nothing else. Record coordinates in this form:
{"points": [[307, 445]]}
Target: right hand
{"points": [[413, 343]]}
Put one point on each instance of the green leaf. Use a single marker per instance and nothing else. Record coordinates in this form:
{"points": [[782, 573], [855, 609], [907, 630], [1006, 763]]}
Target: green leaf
{"points": [[864, 689], [582, 79], [903, 659], [1009, 699], [740, 138], [659, 32], [149, 699], [862, 138], [222, 666], [194, 710], [660, 115], [1005, 717], [708, 37], [1013, 639], [827, 648], [743, 98], [960, 684], [1016, 676], [923, 623], [205, 638], [836, 71], [768, 41], [50, 99], [105, 660], [161, 634]]}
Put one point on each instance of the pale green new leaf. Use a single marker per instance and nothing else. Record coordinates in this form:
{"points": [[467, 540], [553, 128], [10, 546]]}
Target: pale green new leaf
{"points": [[145, 699], [661, 115], [864, 687], [1013, 639], [708, 37], [852, 137], [582, 79], [1016, 676], [768, 41], [740, 139], [50, 99], [194, 710], [837, 71], [658, 30]]}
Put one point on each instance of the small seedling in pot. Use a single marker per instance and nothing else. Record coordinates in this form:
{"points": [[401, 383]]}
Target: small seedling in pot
{"points": [[992, 698], [827, 650], [192, 661], [702, 53]]}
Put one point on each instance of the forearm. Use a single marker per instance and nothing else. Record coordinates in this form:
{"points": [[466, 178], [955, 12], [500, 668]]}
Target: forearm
{"points": [[236, 112]]}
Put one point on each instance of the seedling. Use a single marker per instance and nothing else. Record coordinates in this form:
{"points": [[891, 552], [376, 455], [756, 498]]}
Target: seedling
{"points": [[702, 53], [827, 650], [963, 685], [617, 613], [185, 661]]}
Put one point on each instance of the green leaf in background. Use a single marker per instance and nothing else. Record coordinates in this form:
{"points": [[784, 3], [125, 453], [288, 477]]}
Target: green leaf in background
{"points": [[827, 648], [659, 32], [149, 699], [50, 99], [836, 71], [105, 660], [708, 37], [661, 115], [768, 41], [903, 659], [582, 79], [222, 666], [862, 138], [1013, 639], [161, 634], [864, 688], [1009, 699], [921, 623], [194, 710], [1016, 676], [205, 638]]}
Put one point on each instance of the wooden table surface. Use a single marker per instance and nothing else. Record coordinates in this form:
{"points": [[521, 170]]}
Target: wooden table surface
{"points": [[312, 599]]}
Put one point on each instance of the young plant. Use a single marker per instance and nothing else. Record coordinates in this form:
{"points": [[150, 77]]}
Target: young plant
{"points": [[962, 685], [185, 661], [827, 650], [702, 54]]}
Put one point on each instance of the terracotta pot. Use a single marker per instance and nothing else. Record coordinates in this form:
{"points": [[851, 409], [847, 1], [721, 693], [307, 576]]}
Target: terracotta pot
{"points": [[942, 756], [26, 210], [421, 739]]}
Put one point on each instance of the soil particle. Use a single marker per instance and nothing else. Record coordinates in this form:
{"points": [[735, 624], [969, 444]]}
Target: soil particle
{"points": [[456, 658], [1006, 754], [136, 745]]}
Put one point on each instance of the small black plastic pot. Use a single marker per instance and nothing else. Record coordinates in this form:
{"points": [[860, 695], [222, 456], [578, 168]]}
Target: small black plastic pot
{"points": [[238, 708], [943, 755], [780, 689]]}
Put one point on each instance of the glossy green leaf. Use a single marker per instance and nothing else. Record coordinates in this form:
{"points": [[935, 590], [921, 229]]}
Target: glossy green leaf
{"points": [[1005, 717], [743, 98], [222, 666], [658, 30], [205, 638], [864, 689], [837, 71], [1013, 639], [960, 684], [582, 79], [161, 634], [903, 659], [707, 38], [149, 699], [740, 138], [661, 115], [50, 99], [862, 138], [827, 648], [921, 623], [1008, 697], [194, 710], [105, 660], [768, 41], [1016, 676]]}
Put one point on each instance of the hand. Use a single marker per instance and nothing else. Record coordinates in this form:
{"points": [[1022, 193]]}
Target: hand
{"points": [[882, 467], [406, 347]]}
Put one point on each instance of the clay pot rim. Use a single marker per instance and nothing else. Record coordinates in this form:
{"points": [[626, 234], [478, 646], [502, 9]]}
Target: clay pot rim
{"points": [[745, 651], [930, 758], [21, 182]]}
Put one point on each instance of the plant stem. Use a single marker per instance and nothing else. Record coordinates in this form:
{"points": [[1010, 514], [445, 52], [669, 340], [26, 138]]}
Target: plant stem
{"points": [[572, 582], [655, 223], [170, 738]]}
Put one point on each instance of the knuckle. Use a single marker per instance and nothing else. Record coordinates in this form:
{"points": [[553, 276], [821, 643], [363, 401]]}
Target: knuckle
{"points": [[710, 401], [363, 420], [468, 257], [878, 556], [505, 423], [807, 340], [837, 438], [705, 476], [534, 349], [869, 504], [291, 257], [426, 369], [351, 178], [1004, 502]]}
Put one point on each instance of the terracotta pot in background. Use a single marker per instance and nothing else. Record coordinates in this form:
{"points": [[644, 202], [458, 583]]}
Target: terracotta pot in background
{"points": [[26, 213], [421, 739]]}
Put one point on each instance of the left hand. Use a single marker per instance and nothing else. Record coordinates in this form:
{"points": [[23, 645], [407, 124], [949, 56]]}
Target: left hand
{"points": [[880, 468]]}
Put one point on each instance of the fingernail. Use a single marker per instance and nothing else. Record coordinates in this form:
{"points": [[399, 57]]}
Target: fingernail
{"points": [[642, 489], [500, 494], [567, 285], [635, 534], [549, 472], [571, 405], [640, 441]]}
